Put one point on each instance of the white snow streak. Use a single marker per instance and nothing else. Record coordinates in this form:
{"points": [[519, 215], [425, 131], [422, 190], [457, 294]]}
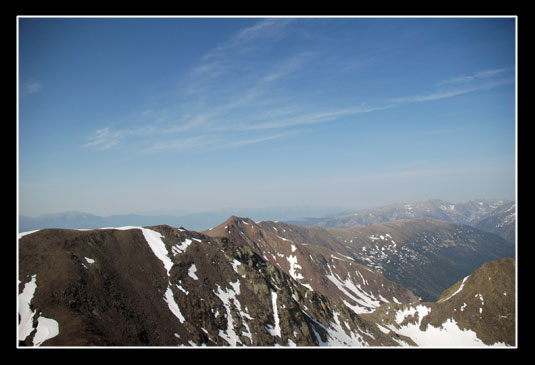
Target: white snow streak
{"points": [[21, 234], [366, 302], [154, 239], [336, 335], [457, 291], [25, 312], [173, 306], [284, 239], [226, 296], [180, 248], [277, 330], [46, 327]]}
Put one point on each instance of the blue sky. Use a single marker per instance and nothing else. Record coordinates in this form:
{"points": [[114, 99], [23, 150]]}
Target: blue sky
{"points": [[120, 115]]}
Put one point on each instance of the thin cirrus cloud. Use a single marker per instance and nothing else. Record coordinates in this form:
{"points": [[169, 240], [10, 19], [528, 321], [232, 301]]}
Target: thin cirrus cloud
{"points": [[202, 127], [105, 138], [246, 39], [485, 74], [206, 123], [31, 87], [211, 142], [313, 118], [214, 111], [229, 55], [459, 85]]}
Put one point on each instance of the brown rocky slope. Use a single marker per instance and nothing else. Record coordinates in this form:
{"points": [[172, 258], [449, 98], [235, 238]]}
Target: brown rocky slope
{"points": [[318, 268], [164, 286]]}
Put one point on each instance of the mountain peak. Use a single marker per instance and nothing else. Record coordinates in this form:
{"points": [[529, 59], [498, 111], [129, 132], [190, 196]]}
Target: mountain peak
{"points": [[315, 267], [478, 310]]}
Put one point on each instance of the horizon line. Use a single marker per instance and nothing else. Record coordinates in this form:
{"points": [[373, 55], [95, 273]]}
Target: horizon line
{"points": [[287, 207]]}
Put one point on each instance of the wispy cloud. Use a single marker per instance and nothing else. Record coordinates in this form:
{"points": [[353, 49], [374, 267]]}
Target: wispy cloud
{"points": [[189, 143], [212, 110], [31, 87], [313, 118], [229, 55], [287, 66], [245, 39], [234, 96], [211, 142], [480, 75], [460, 85], [254, 140], [104, 139]]}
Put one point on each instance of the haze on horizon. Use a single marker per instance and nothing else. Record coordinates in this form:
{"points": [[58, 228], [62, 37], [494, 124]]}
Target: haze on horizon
{"points": [[125, 115]]}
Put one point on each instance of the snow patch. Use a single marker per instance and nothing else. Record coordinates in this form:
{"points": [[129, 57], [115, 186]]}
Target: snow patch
{"points": [[25, 312], [366, 302], [191, 272], [277, 330], [235, 265], [154, 239], [226, 296], [182, 289], [173, 306], [47, 328], [293, 267], [382, 329], [421, 310], [447, 335], [181, 247], [336, 335]]}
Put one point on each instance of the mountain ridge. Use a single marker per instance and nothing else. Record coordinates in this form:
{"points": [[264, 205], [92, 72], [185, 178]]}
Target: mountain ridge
{"points": [[165, 286], [317, 268], [409, 251], [473, 310], [328, 216], [470, 213], [111, 298], [193, 220]]}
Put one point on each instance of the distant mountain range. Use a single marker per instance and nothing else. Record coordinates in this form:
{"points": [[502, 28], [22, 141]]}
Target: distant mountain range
{"points": [[80, 220], [496, 216], [501, 221], [194, 221], [412, 282]]}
